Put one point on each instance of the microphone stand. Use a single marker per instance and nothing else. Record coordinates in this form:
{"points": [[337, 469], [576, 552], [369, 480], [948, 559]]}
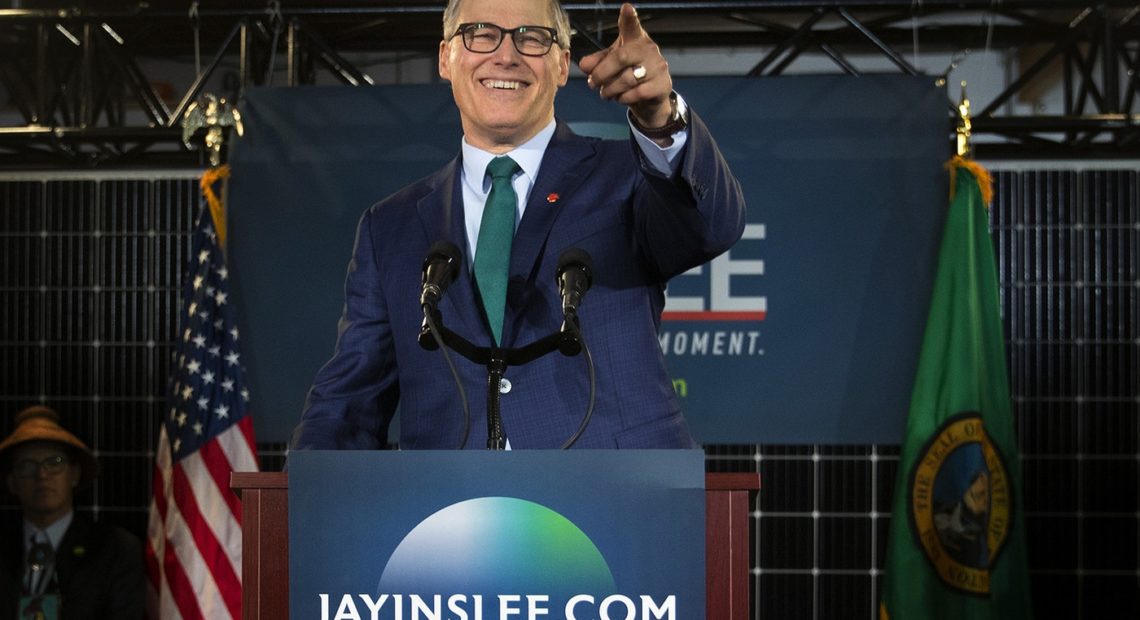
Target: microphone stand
{"points": [[496, 359]]}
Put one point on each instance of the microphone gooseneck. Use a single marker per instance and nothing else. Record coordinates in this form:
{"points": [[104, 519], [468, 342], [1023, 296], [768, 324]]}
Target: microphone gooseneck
{"points": [[441, 268], [575, 276]]}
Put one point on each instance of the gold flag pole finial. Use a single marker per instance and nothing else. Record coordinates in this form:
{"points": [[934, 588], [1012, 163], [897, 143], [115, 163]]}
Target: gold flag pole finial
{"points": [[209, 118], [208, 121], [964, 125], [962, 159]]}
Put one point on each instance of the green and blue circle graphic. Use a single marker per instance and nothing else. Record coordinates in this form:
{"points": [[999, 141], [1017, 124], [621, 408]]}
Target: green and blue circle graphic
{"points": [[495, 546]]}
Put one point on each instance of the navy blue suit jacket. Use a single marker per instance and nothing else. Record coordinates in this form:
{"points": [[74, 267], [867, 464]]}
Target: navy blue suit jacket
{"points": [[598, 195]]}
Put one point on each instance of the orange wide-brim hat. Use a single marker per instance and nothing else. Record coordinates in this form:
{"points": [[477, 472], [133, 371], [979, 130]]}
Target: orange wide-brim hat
{"points": [[42, 424]]}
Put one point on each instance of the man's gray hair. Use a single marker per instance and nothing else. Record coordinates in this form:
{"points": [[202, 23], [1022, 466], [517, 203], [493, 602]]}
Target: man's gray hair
{"points": [[561, 21]]}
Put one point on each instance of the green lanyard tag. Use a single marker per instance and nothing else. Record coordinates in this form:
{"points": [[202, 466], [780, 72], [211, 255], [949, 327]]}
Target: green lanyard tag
{"points": [[42, 607]]}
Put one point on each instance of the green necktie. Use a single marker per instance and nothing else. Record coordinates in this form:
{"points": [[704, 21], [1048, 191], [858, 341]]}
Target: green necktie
{"points": [[493, 250]]}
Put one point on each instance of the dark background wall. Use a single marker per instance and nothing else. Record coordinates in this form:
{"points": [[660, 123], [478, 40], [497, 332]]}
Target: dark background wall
{"points": [[90, 273]]}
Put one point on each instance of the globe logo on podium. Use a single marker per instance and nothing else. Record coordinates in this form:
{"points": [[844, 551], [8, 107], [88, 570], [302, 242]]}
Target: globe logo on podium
{"points": [[495, 546]]}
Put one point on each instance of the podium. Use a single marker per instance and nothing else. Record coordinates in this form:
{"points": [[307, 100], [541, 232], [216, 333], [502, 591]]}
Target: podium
{"points": [[265, 543]]}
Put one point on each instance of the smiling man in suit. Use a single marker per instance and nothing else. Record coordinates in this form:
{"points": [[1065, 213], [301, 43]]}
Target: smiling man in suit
{"points": [[523, 190]]}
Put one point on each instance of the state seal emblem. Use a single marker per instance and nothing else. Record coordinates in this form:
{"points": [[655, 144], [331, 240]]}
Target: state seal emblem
{"points": [[960, 505]]}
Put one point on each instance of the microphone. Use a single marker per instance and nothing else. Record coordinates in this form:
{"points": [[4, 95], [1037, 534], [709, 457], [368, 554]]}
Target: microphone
{"points": [[575, 275], [441, 268]]}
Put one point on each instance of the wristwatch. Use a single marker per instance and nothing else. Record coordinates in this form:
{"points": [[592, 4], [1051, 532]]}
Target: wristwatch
{"points": [[678, 120]]}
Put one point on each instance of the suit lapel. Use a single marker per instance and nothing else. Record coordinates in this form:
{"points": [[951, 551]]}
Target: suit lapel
{"points": [[72, 547], [565, 165], [563, 170], [441, 213]]}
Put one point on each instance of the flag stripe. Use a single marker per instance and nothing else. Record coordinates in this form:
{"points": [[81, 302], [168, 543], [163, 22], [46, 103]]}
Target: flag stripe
{"points": [[217, 489], [216, 561], [181, 591], [222, 524], [168, 609], [246, 426], [200, 581], [156, 530], [240, 448], [156, 546]]}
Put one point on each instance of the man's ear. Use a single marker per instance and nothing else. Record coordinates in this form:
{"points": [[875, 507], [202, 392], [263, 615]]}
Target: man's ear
{"points": [[564, 68], [10, 482], [444, 66]]}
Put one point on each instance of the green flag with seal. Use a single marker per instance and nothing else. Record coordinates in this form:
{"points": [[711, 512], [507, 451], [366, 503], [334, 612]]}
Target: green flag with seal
{"points": [[956, 546]]}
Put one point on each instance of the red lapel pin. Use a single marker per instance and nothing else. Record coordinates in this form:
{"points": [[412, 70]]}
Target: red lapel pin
{"points": [[552, 197]]}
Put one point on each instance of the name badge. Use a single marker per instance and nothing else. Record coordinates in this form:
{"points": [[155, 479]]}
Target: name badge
{"points": [[42, 607]]}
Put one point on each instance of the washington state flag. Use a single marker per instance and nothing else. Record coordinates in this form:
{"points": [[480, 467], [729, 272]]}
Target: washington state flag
{"points": [[956, 548]]}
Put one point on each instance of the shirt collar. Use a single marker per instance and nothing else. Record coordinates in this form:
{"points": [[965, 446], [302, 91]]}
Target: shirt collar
{"points": [[54, 532], [527, 155]]}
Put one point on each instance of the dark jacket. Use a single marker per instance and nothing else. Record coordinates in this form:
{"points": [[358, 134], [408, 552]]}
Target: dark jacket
{"points": [[99, 571]]}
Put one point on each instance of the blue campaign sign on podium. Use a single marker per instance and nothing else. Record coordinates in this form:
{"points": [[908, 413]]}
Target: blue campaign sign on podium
{"points": [[520, 535]]}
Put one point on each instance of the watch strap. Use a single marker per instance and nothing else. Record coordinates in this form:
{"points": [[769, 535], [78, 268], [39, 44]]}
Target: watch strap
{"points": [[677, 122]]}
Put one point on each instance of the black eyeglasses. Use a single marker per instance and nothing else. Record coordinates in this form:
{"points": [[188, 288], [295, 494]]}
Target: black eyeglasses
{"points": [[52, 465], [484, 38]]}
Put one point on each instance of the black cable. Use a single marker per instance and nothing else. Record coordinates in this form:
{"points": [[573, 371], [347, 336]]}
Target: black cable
{"points": [[454, 374], [573, 325]]}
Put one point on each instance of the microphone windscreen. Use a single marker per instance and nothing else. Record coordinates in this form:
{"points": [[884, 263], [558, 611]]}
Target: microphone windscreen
{"points": [[449, 251], [577, 256]]}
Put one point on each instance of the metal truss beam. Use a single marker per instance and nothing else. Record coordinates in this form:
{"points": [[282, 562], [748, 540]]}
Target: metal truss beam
{"points": [[75, 81]]}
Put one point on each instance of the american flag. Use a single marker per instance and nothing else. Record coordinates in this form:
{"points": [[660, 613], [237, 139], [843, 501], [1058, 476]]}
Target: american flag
{"points": [[194, 536]]}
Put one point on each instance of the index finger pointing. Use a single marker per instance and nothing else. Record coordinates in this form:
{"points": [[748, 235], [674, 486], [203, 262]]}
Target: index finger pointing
{"points": [[629, 26]]}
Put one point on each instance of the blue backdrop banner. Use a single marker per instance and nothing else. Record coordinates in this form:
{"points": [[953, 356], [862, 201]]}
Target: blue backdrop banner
{"points": [[807, 331], [538, 535]]}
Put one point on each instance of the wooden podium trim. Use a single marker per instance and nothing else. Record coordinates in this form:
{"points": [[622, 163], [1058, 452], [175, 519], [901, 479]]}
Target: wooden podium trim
{"points": [[265, 544]]}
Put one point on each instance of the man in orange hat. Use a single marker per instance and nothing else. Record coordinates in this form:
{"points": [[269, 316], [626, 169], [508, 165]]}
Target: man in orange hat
{"points": [[57, 564]]}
